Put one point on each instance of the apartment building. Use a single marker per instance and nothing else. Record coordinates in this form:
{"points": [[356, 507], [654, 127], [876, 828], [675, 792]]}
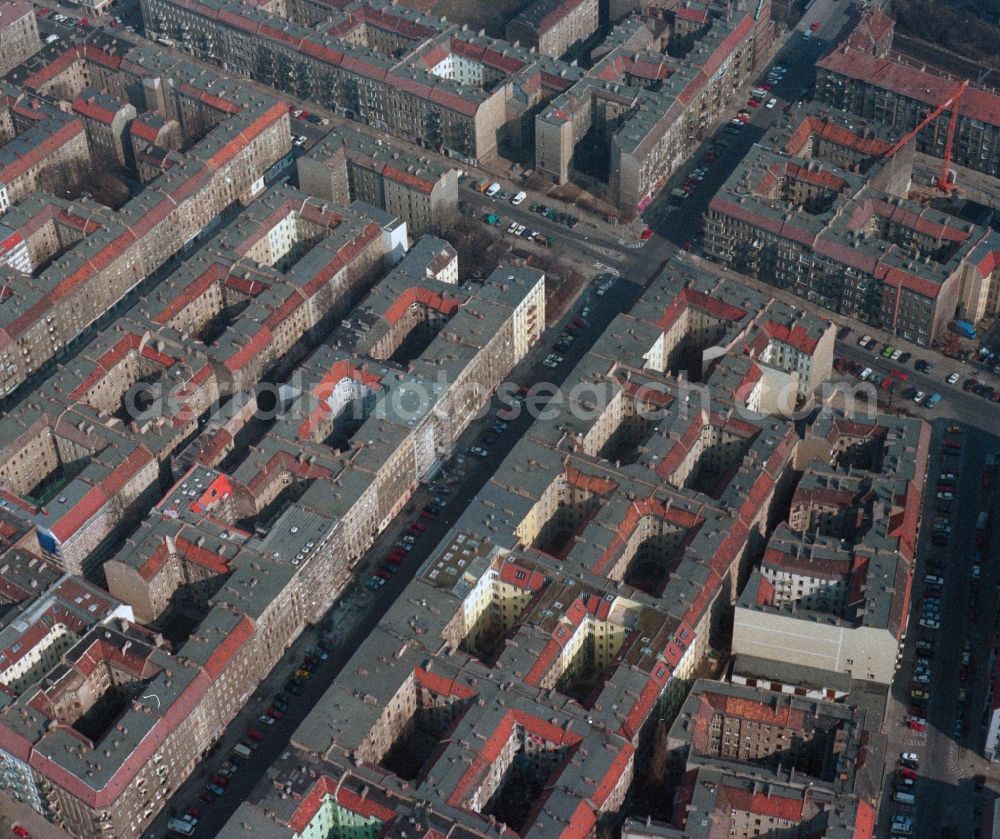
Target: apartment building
{"points": [[120, 250], [348, 166], [646, 109], [834, 235], [554, 27], [858, 76], [49, 148], [107, 122], [747, 762], [593, 568], [834, 584], [400, 71], [19, 37]]}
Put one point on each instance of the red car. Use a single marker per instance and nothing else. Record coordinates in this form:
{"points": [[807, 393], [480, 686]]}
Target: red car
{"points": [[902, 375], [274, 713], [254, 734], [766, 86], [753, 103], [385, 575], [20, 831], [987, 478], [646, 234], [194, 812], [221, 780], [814, 26], [916, 724], [909, 774]]}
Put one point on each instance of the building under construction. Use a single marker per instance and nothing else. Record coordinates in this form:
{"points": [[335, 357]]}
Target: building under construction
{"points": [[860, 77], [819, 207]]}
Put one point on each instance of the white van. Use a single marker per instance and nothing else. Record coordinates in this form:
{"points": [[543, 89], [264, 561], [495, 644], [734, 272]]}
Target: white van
{"points": [[517, 199], [492, 190], [242, 751], [904, 797], [182, 827]]}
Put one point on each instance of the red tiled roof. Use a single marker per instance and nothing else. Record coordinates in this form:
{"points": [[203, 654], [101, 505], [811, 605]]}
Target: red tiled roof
{"points": [[326, 787], [814, 126], [276, 113], [436, 683], [79, 514], [910, 82], [227, 649], [762, 804], [422, 297], [91, 108], [513, 574], [253, 348], [65, 133]]}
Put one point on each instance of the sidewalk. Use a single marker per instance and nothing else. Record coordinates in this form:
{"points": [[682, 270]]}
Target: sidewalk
{"points": [[943, 365]]}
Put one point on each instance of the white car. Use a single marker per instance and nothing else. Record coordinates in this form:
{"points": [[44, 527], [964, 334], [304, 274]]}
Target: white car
{"points": [[519, 230], [919, 396], [492, 190], [865, 374], [771, 103], [512, 227], [952, 379], [896, 355], [517, 199], [930, 623], [910, 757]]}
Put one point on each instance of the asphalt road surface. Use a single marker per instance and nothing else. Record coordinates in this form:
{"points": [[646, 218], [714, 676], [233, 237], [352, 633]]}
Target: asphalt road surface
{"points": [[359, 609], [946, 797]]}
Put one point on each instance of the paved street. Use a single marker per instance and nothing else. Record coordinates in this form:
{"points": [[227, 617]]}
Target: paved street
{"points": [[945, 794], [360, 609]]}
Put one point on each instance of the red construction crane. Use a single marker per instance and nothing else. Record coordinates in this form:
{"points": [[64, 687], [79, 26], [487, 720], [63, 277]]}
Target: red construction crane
{"points": [[944, 177]]}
